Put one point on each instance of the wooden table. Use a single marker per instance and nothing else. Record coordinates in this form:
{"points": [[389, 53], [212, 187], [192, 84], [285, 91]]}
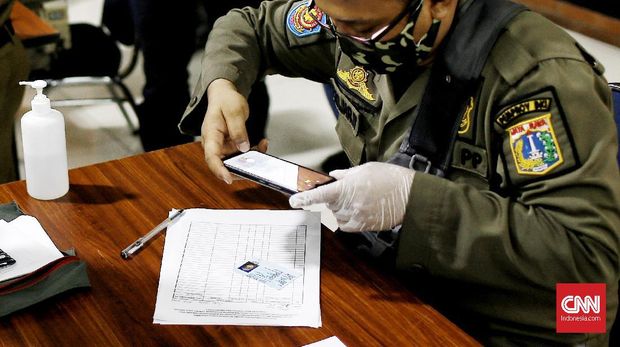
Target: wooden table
{"points": [[109, 205], [30, 28]]}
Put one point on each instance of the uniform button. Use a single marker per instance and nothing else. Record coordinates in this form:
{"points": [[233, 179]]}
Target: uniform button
{"points": [[194, 101], [448, 78]]}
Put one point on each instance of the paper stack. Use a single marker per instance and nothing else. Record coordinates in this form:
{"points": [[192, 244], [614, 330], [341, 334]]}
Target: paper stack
{"points": [[40, 270], [241, 267], [25, 241]]}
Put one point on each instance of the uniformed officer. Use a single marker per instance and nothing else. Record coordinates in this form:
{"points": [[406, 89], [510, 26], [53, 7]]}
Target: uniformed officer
{"points": [[13, 68], [481, 135]]}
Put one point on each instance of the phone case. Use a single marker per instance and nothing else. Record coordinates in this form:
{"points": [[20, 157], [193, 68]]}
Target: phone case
{"points": [[269, 183]]}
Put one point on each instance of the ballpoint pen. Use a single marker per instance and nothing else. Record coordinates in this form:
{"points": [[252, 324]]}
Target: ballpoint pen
{"points": [[139, 243]]}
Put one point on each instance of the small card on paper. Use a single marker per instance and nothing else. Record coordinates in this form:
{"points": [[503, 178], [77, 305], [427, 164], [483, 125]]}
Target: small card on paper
{"points": [[270, 274]]}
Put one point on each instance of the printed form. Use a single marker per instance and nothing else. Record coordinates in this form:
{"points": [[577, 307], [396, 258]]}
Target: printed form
{"points": [[202, 277]]}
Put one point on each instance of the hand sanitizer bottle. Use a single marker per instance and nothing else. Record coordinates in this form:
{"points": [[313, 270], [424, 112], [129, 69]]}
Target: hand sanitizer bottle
{"points": [[45, 148]]}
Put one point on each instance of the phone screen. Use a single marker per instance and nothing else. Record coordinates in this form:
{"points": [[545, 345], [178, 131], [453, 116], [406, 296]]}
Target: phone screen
{"points": [[270, 170]]}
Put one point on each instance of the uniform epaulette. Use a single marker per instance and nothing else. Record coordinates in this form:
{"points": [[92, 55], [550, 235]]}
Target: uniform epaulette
{"points": [[520, 49]]}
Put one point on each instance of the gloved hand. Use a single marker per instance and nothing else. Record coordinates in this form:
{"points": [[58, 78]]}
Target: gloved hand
{"points": [[369, 197]]}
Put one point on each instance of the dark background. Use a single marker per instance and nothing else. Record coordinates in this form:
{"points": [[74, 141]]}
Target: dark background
{"points": [[608, 7]]}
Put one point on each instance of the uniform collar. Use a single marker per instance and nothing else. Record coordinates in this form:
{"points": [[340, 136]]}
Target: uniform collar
{"points": [[477, 26]]}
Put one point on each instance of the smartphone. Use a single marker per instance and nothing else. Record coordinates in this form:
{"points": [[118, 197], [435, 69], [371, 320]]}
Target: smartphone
{"points": [[275, 173]]}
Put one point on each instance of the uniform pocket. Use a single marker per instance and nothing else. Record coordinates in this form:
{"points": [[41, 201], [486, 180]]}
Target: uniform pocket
{"points": [[348, 125], [352, 145]]}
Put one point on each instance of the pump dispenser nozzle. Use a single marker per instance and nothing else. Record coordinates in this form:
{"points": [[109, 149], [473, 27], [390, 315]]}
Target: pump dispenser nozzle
{"points": [[40, 102], [38, 85]]}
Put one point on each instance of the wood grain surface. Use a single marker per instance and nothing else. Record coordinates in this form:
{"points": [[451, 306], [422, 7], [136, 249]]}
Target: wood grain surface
{"points": [[111, 204], [580, 19]]}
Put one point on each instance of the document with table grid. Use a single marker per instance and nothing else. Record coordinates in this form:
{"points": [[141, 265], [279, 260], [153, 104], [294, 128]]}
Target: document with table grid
{"points": [[241, 267]]}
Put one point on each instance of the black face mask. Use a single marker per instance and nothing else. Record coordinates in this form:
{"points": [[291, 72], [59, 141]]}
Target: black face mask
{"points": [[389, 56]]}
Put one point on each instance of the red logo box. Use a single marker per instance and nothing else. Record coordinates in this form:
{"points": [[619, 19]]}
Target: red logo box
{"points": [[580, 308]]}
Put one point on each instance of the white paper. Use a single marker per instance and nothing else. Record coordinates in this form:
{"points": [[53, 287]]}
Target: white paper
{"points": [[327, 216], [25, 241], [329, 342], [198, 283]]}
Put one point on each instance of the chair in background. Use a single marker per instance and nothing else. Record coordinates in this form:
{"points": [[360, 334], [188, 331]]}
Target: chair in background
{"points": [[93, 59]]}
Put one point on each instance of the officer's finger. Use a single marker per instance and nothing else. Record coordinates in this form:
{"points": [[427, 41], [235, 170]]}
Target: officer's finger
{"points": [[262, 146], [328, 194], [235, 122], [341, 222], [339, 174], [215, 164], [213, 139], [352, 226], [342, 218]]}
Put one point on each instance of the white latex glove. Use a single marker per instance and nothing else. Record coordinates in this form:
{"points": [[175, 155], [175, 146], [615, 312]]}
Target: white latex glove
{"points": [[369, 197]]}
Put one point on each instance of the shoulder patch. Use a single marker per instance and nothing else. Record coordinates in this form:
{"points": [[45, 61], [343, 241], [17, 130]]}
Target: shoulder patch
{"points": [[512, 112], [300, 23], [535, 148]]}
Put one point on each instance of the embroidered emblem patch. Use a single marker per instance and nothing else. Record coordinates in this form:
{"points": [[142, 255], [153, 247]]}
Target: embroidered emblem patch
{"points": [[356, 79], [466, 121], [510, 113], [535, 148], [301, 24]]}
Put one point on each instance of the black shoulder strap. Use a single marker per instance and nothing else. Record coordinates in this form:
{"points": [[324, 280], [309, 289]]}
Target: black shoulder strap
{"points": [[455, 77], [434, 129]]}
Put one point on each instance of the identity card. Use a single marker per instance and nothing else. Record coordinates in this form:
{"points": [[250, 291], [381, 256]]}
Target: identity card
{"points": [[272, 275]]}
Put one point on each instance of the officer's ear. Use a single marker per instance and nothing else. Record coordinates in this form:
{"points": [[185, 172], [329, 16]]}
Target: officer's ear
{"points": [[443, 9]]}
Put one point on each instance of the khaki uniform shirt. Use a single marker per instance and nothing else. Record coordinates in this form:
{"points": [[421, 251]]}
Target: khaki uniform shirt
{"points": [[533, 194], [5, 10], [14, 67]]}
